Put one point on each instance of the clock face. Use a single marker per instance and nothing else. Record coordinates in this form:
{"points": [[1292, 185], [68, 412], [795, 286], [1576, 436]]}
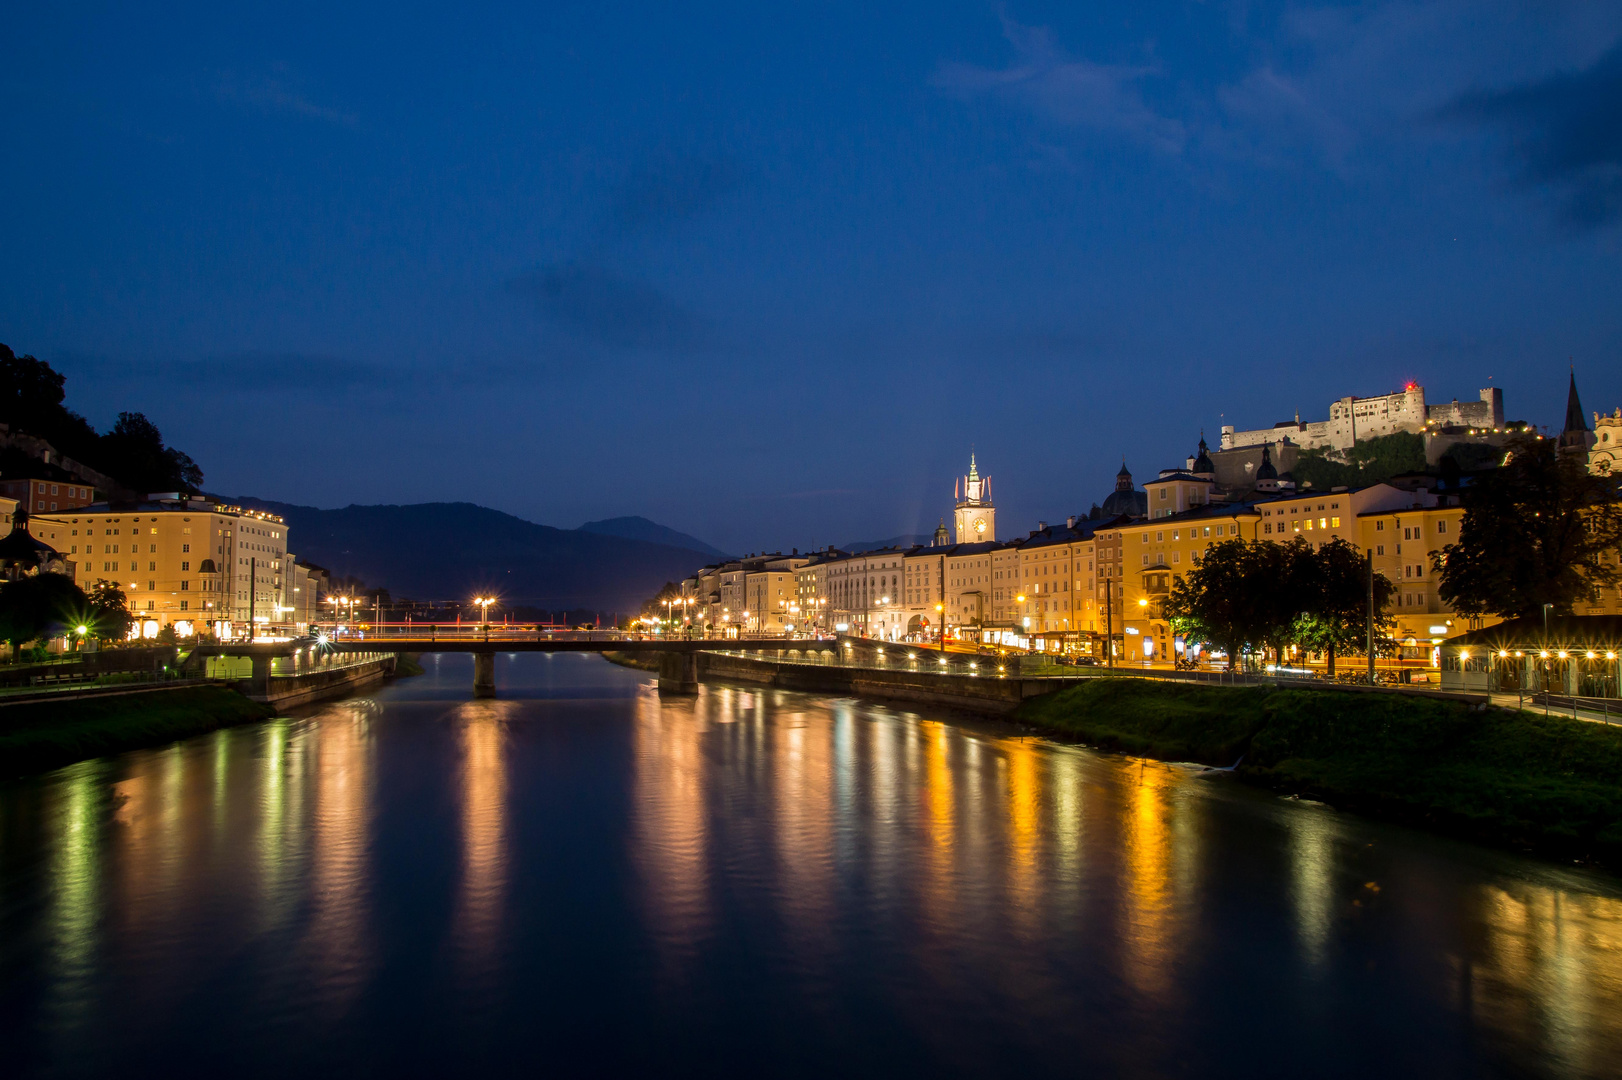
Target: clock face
{"points": [[980, 525]]}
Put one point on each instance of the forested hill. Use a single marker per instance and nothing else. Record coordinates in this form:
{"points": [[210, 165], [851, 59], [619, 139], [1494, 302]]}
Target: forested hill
{"points": [[452, 551]]}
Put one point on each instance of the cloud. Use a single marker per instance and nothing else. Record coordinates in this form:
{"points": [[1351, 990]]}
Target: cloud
{"points": [[279, 91], [1564, 134], [1066, 91], [595, 303]]}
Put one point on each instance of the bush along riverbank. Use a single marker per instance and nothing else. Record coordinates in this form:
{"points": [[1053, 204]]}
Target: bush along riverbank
{"points": [[407, 664], [1552, 786], [42, 735]]}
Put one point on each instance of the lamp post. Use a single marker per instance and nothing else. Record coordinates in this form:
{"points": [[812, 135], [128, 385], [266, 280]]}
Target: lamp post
{"points": [[483, 603]]}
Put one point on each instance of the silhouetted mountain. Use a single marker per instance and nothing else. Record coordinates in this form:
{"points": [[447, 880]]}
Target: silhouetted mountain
{"points": [[452, 551], [640, 528], [905, 540]]}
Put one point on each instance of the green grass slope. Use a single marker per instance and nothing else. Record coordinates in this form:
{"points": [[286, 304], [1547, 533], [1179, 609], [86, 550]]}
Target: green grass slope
{"points": [[44, 735], [1550, 785]]}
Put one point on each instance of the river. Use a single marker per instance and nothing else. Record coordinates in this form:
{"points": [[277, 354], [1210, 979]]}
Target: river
{"points": [[579, 878]]}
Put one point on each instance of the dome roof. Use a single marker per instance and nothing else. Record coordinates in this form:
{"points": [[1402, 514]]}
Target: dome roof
{"points": [[1129, 502], [1266, 472], [21, 548], [1202, 463]]}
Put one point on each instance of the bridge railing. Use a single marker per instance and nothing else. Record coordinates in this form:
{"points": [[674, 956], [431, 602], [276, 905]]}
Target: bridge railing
{"points": [[429, 633]]}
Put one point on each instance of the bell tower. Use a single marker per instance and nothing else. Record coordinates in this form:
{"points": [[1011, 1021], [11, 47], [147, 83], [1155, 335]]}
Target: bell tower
{"points": [[974, 516]]}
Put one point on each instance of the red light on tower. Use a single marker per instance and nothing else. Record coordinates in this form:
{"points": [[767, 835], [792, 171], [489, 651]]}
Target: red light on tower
{"points": [[1410, 386]]}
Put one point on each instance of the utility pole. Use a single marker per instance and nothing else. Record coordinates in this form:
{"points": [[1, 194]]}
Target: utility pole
{"points": [[943, 605], [1109, 622], [1370, 558]]}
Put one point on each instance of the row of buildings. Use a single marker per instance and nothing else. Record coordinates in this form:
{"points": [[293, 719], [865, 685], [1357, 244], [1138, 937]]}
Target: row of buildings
{"points": [[1098, 582], [191, 563]]}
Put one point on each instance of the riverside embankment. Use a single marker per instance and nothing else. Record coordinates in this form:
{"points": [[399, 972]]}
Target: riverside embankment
{"points": [[1552, 786], [50, 728]]}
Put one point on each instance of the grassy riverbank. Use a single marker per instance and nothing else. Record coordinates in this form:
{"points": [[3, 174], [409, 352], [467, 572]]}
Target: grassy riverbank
{"points": [[1552, 785], [46, 734]]}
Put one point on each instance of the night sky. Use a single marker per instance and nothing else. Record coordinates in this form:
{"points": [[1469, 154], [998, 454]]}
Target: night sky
{"points": [[765, 272]]}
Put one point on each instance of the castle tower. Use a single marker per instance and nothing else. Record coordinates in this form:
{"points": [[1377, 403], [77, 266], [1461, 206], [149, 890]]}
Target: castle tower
{"points": [[974, 516]]}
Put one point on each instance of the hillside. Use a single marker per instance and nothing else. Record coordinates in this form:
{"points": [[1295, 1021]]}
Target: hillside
{"points": [[640, 528], [446, 551]]}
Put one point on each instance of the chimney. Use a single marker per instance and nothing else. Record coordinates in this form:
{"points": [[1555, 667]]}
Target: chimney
{"points": [[1070, 522], [1041, 526]]}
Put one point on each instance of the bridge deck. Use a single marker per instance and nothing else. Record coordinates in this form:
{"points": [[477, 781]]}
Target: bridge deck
{"points": [[520, 641]]}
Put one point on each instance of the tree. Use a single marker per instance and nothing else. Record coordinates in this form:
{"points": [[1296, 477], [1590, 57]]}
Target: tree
{"points": [[1535, 531], [1213, 603], [39, 606], [31, 395], [134, 452], [107, 613], [1335, 601]]}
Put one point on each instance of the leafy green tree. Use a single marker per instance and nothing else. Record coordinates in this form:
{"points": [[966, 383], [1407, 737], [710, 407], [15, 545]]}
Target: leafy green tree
{"points": [[39, 606], [1334, 601], [1536, 531], [107, 612], [1214, 602]]}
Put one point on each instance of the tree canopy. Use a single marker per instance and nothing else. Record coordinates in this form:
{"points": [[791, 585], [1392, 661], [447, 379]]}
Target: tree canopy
{"points": [[133, 452], [39, 606], [1262, 593], [1536, 531]]}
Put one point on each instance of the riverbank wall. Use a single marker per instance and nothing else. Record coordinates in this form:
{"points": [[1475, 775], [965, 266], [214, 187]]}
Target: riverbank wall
{"points": [[320, 684], [990, 695]]}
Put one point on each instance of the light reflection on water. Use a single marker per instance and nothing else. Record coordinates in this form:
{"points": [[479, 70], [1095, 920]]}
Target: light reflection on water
{"points": [[767, 882]]}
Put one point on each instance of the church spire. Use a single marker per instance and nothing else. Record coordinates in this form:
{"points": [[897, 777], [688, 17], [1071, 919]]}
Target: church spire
{"points": [[1575, 437], [974, 472]]}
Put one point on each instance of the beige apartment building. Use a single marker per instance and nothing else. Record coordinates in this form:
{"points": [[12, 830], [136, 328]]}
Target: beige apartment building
{"points": [[770, 606], [188, 563]]}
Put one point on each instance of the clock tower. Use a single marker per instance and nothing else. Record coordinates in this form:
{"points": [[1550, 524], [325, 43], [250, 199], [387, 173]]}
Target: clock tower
{"points": [[975, 517]]}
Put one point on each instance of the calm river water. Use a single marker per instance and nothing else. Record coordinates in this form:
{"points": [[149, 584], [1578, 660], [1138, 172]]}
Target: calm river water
{"points": [[582, 879]]}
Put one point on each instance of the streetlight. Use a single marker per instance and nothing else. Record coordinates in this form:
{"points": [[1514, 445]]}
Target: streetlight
{"points": [[483, 603]]}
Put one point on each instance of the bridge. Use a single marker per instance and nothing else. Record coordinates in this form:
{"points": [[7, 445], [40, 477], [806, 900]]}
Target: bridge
{"points": [[678, 666]]}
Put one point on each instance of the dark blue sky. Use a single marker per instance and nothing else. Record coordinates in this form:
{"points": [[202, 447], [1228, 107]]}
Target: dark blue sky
{"points": [[763, 272]]}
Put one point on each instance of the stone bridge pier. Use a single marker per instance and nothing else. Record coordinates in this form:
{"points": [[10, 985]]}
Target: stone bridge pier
{"points": [[678, 673], [484, 674]]}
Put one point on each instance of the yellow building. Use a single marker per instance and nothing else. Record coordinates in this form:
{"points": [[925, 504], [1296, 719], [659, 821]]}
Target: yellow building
{"points": [[192, 564], [1146, 557]]}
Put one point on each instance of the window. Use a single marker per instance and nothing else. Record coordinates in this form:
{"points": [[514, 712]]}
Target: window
{"points": [[185, 605], [185, 586], [1441, 526], [185, 567], [153, 548], [1379, 526], [1334, 522], [185, 547], [152, 565], [152, 586], [1380, 549]]}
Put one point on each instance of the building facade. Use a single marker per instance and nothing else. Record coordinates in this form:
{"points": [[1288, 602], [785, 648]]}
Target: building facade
{"points": [[1354, 419], [198, 566]]}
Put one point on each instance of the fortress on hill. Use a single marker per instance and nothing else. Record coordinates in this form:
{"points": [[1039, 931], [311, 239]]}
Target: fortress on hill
{"points": [[1355, 419]]}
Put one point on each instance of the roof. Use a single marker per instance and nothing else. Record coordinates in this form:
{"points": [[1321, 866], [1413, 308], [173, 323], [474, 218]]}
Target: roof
{"points": [[1576, 420], [1177, 474], [1565, 632], [1199, 513], [20, 547]]}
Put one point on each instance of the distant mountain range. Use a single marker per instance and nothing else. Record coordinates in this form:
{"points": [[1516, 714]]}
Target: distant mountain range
{"points": [[905, 540], [640, 528], [452, 551]]}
